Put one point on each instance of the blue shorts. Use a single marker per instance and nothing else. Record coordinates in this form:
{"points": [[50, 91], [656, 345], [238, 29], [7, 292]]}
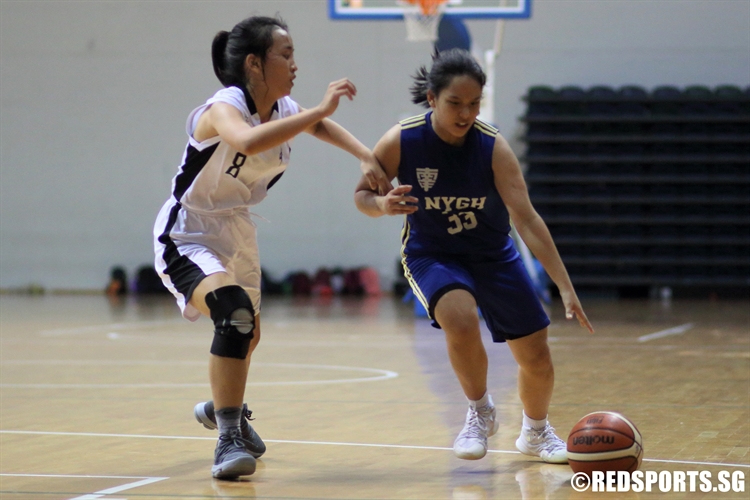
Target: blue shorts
{"points": [[502, 289]]}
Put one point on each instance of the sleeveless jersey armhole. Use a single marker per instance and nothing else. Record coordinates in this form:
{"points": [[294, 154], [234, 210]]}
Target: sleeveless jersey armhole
{"points": [[232, 96], [192, 124]]}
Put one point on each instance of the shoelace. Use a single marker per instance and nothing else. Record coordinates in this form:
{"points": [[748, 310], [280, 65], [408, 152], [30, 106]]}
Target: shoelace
{"points": [[548, 439], [233, 438], [473, 427]]}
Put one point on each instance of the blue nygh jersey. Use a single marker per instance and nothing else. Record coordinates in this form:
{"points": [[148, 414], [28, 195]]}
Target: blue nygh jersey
{"points": [[460, 211]]}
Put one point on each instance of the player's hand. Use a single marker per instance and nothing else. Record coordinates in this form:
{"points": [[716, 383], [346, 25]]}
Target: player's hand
{"points": [[375, 176], [336, 90], [396, 201], [573, 308]]}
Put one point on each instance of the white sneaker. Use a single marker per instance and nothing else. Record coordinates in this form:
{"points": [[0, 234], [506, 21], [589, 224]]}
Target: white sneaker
{"points": [[544, 444], [481, 423]]}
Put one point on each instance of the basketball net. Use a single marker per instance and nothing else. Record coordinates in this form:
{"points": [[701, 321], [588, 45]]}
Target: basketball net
{"points": [[422, 18]]}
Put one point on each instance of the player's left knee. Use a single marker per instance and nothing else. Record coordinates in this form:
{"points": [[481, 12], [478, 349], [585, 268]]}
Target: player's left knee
{"points": [[234, 321]]}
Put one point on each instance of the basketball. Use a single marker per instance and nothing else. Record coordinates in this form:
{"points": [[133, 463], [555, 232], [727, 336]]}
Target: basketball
{"points": [[604, 441]]}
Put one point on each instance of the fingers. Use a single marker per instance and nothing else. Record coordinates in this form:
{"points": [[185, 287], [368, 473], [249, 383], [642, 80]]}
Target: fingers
{"points": [[577, 311], [345, 82], [397, 203], [343, 87], [398, 208], [402, 189], [336, 90], [375, 177], [379, 183], [384, 186], [409, 200], [337, 94], [584, 322], [374, 182]]}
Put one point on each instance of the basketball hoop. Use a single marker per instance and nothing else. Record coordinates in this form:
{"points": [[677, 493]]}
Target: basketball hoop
{"points": [[422, 18]]}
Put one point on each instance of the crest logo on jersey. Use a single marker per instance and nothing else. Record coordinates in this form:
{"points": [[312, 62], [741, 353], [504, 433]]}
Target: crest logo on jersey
{"points": [[427, 177]]}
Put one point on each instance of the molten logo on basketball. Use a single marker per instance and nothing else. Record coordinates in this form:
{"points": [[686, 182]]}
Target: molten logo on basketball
{"points": [[593, 440]]}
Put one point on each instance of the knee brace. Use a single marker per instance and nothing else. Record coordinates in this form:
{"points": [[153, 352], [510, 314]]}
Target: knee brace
{"points": [[234, 320]]}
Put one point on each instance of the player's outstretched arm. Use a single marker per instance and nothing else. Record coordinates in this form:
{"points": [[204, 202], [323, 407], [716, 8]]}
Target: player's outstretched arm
{"points": [[331, 132], [226, 121], [510, 184]]}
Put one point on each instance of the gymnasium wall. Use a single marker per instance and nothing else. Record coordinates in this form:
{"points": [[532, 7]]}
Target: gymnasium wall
{"points": [[94, 97]]}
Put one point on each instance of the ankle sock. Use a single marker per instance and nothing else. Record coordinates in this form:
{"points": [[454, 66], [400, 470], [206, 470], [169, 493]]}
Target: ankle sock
{"points": [[482, 402], [228, 419], [537, 425]]}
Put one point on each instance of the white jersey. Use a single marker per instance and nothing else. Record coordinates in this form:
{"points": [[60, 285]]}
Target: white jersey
{"points": [[216, 177], [205, 226]]}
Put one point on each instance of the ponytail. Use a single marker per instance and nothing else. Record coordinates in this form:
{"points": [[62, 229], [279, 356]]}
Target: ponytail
{"points": [[445, 66], [419, 87], [218, 50]]}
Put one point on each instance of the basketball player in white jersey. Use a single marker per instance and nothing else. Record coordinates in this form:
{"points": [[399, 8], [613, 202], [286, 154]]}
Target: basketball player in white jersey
{"points": [[239, 144]]}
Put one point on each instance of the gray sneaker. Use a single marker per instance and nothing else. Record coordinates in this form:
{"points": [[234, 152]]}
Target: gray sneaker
{"points": [[204, 414], [232, 459]]}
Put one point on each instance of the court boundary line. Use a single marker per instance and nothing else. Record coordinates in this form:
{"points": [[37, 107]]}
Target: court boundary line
{"points": [[333, 443], [676, 330], [144, 480], [382, 375]]}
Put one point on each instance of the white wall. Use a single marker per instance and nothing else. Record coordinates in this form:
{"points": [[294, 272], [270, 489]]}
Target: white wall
{"points": [[94, 95]]}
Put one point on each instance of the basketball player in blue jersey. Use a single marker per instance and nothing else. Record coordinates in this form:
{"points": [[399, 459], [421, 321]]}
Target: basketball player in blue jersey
{"points": [[239, 143], [460, 185]]}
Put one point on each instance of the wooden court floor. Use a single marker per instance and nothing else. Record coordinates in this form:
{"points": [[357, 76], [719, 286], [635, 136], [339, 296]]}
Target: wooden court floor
{"points": [[355, 399]]}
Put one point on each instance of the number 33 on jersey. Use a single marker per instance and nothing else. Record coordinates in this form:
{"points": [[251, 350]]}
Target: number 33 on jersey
{"points": [[460, 210]]}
